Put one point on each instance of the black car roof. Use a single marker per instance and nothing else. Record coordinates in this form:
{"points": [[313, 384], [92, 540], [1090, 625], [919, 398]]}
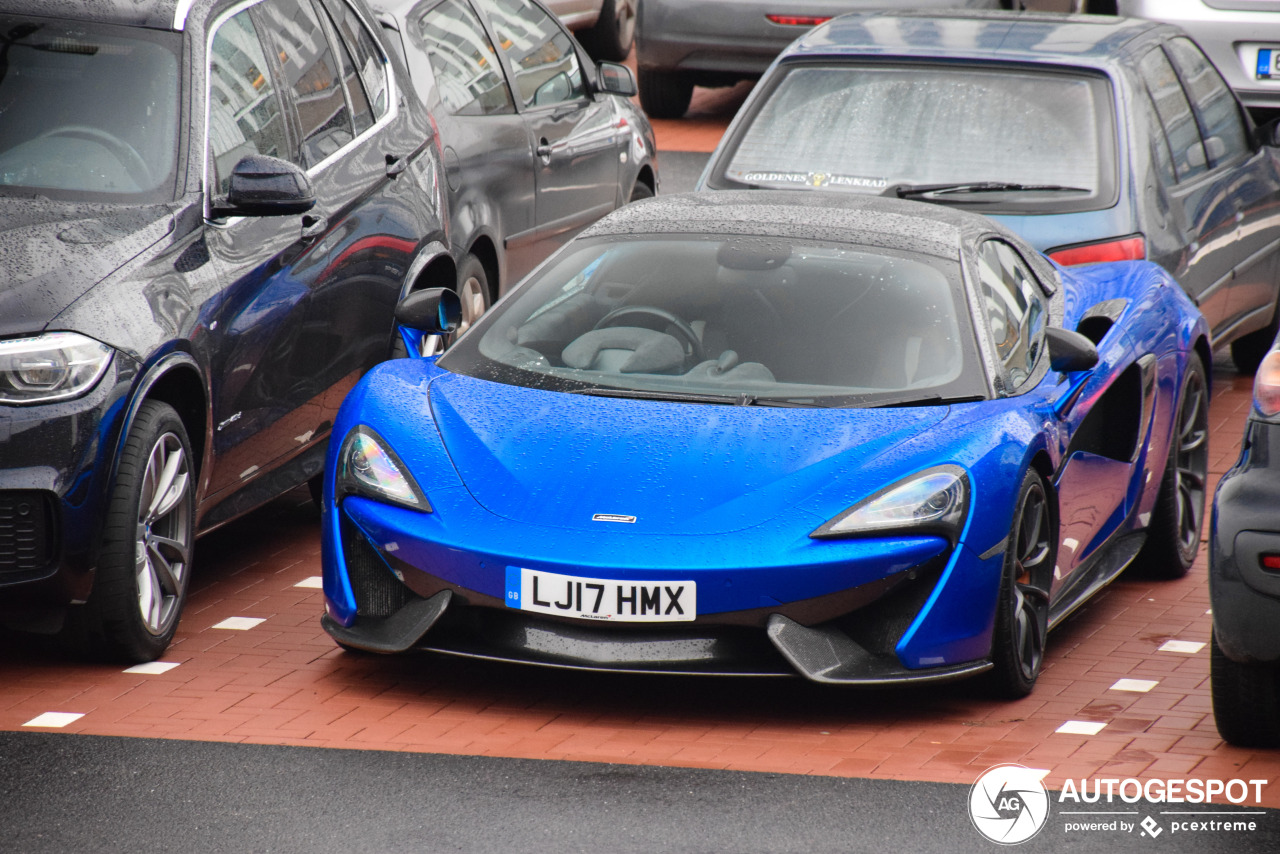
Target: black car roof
{"points": [[813, 214]]}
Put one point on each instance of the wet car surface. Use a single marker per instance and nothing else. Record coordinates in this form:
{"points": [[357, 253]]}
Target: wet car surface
{"points": [[171, 358], [1095, 138]]}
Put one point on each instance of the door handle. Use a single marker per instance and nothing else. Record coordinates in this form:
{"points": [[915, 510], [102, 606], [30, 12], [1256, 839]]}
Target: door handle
{"points": [[544, 149], [396, 165], [313, 226]]}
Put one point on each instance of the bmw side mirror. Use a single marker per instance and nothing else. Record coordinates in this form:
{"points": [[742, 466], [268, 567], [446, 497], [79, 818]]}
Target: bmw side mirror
{"points": [[435, 311], [615, 79], [266, 186], [1070, 351]]}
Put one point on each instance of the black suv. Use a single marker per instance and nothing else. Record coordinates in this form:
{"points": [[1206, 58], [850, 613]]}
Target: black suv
{"points": [[208, 211]]}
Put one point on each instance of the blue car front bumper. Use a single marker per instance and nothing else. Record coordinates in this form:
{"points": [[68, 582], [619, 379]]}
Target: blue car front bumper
{"points": [[868, 611]]}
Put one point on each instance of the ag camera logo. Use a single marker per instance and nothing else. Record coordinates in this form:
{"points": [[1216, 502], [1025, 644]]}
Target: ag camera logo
{"points": [[1008, 804]]}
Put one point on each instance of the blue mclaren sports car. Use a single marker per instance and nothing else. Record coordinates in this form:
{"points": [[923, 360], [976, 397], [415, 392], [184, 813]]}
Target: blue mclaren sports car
{"points": [[858, 439]]}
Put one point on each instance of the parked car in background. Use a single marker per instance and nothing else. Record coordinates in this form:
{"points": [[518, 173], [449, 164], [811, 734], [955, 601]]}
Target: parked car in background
{"points": [[1095, 138], [854, 439], [1241, 37], [1244, 576], [208, 212], [538, 141], [606, 28], [685, 43]]}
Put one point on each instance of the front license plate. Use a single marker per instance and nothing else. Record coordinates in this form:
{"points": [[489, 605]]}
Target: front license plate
{"points": [[601, 598]]}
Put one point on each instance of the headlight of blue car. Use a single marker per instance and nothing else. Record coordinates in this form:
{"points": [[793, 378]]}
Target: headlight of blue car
{"points": [[50, 367], [368, 467], [934, 501]]}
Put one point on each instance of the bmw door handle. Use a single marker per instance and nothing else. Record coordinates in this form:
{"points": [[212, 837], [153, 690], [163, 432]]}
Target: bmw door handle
{"points": [[313, 226], [544, 150], [396, 165]]}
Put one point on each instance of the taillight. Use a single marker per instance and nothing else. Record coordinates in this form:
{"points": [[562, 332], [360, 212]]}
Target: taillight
{"points": [[799, 20], [1132, 248], [1266, 385], [1271, 562]]}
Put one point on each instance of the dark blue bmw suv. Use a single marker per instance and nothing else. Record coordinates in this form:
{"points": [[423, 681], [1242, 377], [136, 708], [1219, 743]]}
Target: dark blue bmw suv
{"points": [[208, 211]]}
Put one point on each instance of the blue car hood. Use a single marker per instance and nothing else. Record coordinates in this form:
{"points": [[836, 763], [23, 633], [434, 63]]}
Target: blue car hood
{"points": [[556, 459]]}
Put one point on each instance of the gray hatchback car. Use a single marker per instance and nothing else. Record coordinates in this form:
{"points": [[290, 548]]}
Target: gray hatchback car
{"points": [[1094, 138], [683, 43]]}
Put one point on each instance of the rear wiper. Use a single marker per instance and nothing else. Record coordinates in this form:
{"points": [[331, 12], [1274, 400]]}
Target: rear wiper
{"points": [[909, 191]]}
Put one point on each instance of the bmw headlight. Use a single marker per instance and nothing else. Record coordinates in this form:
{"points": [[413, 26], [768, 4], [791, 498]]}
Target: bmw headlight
{"points": [[934, 501], [50, 367], [367, 466]]}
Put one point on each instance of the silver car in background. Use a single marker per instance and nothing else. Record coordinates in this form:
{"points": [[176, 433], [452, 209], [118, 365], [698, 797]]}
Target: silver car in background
{"points": [[1241, 37], [606, 28], [683, 43]]}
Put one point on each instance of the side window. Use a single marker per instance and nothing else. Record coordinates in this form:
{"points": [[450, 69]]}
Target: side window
{"points": [[1175, 114], [312, 72], [1014, 308], [1160, 154], [463, 60], [1215, 106], [244, 109], [541, 53], [366, 58]]}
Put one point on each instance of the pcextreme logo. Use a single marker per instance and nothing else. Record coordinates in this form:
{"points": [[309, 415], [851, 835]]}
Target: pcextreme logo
{"points": [[1008, 804]]}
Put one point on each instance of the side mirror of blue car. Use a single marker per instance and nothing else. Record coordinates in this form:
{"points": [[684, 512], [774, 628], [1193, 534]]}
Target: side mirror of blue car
{"points": [[435, 311], [1069, 351]]}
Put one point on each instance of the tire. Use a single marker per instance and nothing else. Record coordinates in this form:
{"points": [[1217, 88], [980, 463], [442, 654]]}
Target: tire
{"points": [[473, 290], [664, 94], [1173, 536], [639, 191], [1022, 610], [1248, 351], [144, 564], [614, 33], [1246, 699]]}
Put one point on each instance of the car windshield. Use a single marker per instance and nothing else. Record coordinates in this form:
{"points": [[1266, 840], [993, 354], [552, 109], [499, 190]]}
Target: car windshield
{"points": [[1007, 138], [90, 112], [741, 320]]}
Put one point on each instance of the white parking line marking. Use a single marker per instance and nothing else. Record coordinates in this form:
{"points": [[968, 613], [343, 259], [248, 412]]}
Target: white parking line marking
{"points": [[315, 582], [240, 624], [152, 668], [1081, 728], [1186, 647], [1142, 686], [54, 719]]}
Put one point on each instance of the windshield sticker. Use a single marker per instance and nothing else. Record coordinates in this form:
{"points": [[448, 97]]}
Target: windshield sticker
{"points": [[815, 179]]}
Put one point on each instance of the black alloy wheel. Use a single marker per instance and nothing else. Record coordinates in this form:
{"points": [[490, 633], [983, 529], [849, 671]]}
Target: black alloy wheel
{"points": [[1022, 612], [1173, 536], [144, 565]]}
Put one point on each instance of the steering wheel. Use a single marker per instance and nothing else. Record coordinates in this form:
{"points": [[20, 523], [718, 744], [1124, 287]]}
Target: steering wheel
{"points": [[128, 156], [691, 339]]}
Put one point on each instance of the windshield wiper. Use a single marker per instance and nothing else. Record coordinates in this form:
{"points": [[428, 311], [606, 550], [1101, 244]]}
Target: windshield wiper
{"points": [[677, 396], [910, 191]]}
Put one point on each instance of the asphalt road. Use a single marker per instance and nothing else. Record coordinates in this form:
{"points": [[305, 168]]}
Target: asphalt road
{"points": [[64, 793]]}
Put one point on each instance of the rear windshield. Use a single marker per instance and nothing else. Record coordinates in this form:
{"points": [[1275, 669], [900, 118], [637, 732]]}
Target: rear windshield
{"points": [[873, 129], [743, 318], [87, 111]]}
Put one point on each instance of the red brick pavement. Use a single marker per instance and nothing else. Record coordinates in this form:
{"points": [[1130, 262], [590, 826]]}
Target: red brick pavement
{"points": [[284, 682]]}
